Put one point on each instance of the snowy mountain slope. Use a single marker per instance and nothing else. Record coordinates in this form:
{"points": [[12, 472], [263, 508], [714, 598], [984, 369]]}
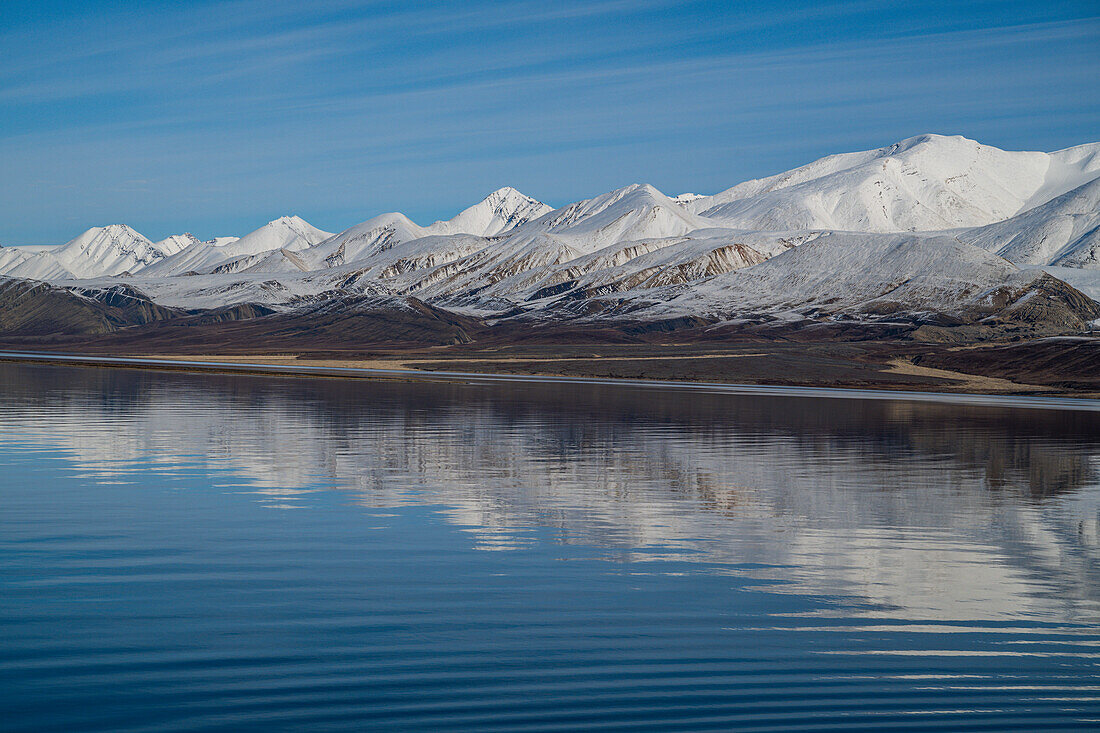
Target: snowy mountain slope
{"points": [[702, 255], [632, 213], [620, 267], [403, 267], [31, 265], [500, 211], [603, 268], [279, 260], [372, 236], [195, 259], [1063, 232], [109, 250], [635, 213], [821, 239], [177, 243], [497, 261], [924, 183], [288, 232], [217, 290], [852, 272]]}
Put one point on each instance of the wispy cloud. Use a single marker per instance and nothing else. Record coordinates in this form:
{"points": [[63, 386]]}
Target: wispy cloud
{"points": [[382, 105]]}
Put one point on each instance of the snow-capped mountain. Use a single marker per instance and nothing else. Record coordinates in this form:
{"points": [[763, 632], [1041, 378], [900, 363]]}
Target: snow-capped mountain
{"points": [[633, 213], [620, 268], [501, 211], [1064, 231], [685, 199], [177, 243], [109, 250], [928, 224], [924, 183], [288, 232], [845, 271], [33, 265], [363, 240], [291, 233], [638, 211]]}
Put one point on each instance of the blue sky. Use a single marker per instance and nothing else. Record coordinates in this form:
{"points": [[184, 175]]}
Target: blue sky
{"points": [[215, 117]]}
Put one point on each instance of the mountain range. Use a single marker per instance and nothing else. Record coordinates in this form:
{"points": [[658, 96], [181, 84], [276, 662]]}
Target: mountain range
{"points": [[932, 229]]}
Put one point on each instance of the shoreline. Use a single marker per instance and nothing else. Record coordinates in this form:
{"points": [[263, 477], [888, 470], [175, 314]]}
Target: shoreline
{"points": [[221, 365]]}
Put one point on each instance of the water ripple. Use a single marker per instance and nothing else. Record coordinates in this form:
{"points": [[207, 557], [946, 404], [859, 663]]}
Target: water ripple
{"points": [[525, 557]]}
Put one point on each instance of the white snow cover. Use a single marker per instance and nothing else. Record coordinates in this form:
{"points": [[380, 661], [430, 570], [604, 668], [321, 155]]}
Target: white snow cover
{"points": [[500, 211], [177, 243], [638, 211], [289, 232], [686, 198], [634, 213], [928, 218], [1064, 231], [363, 240], [854, 271], [32, 265], [924, 183], [109, 250]]}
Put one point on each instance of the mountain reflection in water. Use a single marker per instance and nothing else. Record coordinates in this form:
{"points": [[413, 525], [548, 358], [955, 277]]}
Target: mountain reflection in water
{"points": [[934, 519]]}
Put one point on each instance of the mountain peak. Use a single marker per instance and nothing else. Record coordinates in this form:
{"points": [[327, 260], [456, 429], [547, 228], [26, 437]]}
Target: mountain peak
{"points": [[635, 194], [176, 243], [500, 211], [107, 250], [286, 232], [119, 232], [506, 192], [631, 213], [112, 230], [684, 199], [930, 140], [922, 183], [292, 221], [640, 192], [646, 189]]}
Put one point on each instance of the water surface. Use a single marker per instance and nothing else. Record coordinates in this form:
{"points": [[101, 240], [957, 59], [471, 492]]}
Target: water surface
{"points": [[213, 552]]}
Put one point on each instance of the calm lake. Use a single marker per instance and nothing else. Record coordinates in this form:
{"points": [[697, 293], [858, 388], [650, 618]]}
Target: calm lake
{"points": [[216, 552]]}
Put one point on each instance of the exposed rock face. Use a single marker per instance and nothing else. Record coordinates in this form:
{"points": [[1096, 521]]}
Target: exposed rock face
{"points": [[38, 309], [1044, 301]]}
